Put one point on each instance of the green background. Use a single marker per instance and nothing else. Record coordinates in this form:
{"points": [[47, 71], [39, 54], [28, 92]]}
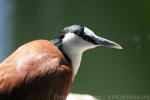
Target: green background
{"points": [[103, 71]]}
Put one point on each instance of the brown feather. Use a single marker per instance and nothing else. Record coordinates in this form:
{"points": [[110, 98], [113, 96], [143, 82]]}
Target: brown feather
{"points": [[35, 71]]}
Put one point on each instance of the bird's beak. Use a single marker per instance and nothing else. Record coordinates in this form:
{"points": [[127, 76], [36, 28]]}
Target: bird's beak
{"points": [[106, 43]]}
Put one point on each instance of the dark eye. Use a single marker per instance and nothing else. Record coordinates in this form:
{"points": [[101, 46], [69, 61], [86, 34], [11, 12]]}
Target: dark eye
{"points": [[79, 31]]}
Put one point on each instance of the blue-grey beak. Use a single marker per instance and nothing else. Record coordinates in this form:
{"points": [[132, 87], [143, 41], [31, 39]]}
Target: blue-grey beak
{"points": [[106, 43]]}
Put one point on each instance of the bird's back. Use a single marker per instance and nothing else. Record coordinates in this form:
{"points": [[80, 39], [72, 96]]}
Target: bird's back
{"points": [[35, 71]]}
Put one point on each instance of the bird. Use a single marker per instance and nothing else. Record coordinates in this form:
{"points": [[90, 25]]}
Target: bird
{"points": [[45, 69]]}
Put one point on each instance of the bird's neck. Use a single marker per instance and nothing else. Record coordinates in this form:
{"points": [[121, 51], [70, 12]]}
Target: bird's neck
{"points": [[73, 55]]}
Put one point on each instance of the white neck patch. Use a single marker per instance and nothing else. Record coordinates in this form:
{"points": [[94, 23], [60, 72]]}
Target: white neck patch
{"points": [[74, 46]]}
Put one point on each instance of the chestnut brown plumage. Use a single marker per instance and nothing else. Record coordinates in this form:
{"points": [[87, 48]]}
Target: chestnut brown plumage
{"points": [[35, 71]]}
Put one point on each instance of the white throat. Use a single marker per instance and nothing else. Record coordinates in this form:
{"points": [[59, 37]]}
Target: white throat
{"points": [[74, 46]]}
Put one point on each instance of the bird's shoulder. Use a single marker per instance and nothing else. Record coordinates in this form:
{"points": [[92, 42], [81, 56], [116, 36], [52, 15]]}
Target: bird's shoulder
{"points": [[31, 61], [36, 47]]}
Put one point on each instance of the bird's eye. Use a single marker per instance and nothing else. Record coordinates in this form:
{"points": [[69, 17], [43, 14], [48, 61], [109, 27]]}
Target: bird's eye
{"points": [[79, 32]]}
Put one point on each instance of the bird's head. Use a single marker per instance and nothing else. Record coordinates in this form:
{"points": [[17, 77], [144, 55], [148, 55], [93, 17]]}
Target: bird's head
{"points": [[80, 38], [75, 39]]}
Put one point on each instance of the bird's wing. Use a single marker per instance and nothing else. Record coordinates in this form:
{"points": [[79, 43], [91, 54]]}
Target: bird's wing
{"points": [[26, 70]]}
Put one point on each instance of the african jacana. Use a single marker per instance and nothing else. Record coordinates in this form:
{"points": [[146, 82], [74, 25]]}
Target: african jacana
{"points": [[44, 70]]}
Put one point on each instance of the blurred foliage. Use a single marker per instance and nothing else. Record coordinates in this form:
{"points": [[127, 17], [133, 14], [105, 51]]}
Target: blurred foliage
{"points": [[103, 70]]}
